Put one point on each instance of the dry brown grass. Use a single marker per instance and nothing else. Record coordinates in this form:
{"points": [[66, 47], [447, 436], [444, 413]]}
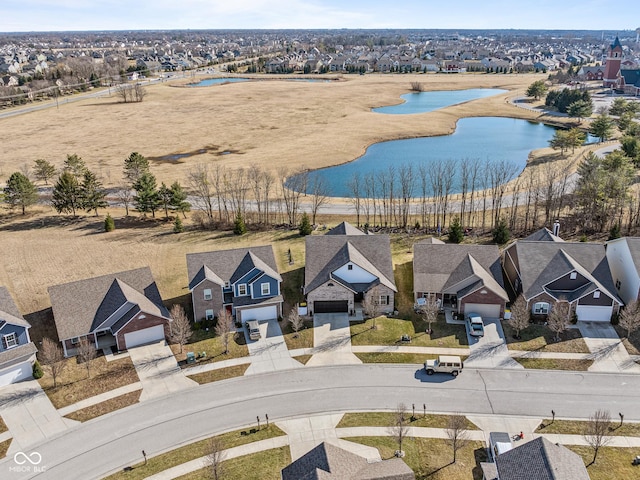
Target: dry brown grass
{"points": [[4, 446], [220, 374], [3, 426], [103, 408], [74, 385], [575, 365], [541, 339]]}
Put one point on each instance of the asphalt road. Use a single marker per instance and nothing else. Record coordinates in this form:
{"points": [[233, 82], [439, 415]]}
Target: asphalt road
{"points": [[111, 442]]}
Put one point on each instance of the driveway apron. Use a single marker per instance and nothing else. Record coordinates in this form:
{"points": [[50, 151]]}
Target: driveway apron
{"points": [[607, 351], [490, 351], [332, 340], [269, 353]]}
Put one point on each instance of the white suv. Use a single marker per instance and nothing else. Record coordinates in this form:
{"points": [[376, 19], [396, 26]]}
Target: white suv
{"points": [[444, 364]]}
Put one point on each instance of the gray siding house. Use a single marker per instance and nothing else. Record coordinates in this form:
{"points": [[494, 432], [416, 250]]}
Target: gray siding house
{"points": [[17, 351]]}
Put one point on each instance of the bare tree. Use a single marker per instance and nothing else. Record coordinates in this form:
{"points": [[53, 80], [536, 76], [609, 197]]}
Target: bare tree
{"points": [[295, 320], [200, 183], [399, 429], [429, 311], [371, 306], [180, 326], [596, 431], [407, 184], [139, 92], [52, 357], [630, 317], [125, 195], [457, 435], [292, 187], [224, 326], [86, 353], [214, 459], [558, 319], [519, 315], [355, 188], [319, 190]]}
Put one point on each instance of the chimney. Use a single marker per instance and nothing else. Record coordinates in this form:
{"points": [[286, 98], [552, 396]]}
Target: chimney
{"points": [[556, 228]]}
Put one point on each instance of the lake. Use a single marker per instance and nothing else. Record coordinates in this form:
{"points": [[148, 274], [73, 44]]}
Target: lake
{"points": [[488, 139], [421, 102], [218, 81]]}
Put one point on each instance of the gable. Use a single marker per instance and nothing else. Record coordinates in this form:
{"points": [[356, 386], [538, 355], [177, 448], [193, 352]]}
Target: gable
{"points": [[352, 273]]}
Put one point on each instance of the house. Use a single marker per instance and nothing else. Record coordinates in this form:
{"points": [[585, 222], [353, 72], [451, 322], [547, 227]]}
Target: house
{"points": [[623, 256], [121, 310], [345, 267], [245, 281], [467, 278], [539, 459], [546, 270], [328, 461], [629, 81], [17, 351]]}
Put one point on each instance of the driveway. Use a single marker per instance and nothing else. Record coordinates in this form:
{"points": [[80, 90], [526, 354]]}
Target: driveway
{"points": [[607, 351], [490, 351], [158, 370], [269, 353], [29, 415], [332, 340]]}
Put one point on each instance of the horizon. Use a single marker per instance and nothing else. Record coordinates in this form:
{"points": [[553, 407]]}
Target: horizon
{"points": [[47, 16]]}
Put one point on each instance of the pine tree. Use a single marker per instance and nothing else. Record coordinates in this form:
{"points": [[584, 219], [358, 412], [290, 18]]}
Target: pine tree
{"points": [[501, 233], [179, 199], [44, 170], [456, 234], [109, 224], [239, 228], [93, 195], [146, 199], [67, 194], [75, 165], [305, 225], [164, 199], [20, 191], [135, 165], [177, 226]]}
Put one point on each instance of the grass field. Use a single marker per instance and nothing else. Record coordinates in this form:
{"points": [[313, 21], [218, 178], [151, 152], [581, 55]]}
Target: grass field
{"points": [[105, 407], [555, 364], [220, 374], [384, 419], [542, 339], [4, 446], [576, 427], [612, 463]]}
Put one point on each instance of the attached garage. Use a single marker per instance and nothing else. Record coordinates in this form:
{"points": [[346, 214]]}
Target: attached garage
{"points": [[593, 313], [260, 313], [488, 310], [333, 306], [15, 373], [146, 335]]}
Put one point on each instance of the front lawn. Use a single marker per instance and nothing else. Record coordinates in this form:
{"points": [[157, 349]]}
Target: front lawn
{"points": [[304, 338], [539, 338], [612, 463], [73, 384], [105, 407], [631, 343], [389, 331], [385, 419], [220, 374], [205, 340], [575, 365]]}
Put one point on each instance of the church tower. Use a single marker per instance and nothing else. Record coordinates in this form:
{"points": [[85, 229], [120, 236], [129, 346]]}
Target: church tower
{"points": [[612, 67]]}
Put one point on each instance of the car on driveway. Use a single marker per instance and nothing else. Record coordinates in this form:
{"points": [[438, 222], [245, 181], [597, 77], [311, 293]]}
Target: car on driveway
{"points": [[254, 329], [475, 325]]}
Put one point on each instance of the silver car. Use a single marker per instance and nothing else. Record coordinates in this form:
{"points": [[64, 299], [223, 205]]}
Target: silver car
{"points": [[475, 325]]}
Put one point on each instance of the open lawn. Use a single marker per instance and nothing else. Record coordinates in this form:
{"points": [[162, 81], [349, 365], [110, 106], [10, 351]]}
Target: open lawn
{"points": [[192, 451], [384, 419], [612, 463], [555, 364], [264, 465], [431, 458], [541, 339], [4, 446], [304, 337], [576, 427], [388, 331], [632, 342], [220, 374], [206, 341], [103, 408], [73, 384]]}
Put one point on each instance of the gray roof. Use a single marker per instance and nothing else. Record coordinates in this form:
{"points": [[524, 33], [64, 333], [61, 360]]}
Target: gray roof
{"points": [[329, 462], [228, 265], [9, 312], [543, 235], [542, 460], [18, 354], [345, 228], [438, 267], [103, 302], [326, 253], [539, 263]]}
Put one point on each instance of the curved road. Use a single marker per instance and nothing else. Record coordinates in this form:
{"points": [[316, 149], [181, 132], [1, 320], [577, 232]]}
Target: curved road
{"points": [[111, 442]]}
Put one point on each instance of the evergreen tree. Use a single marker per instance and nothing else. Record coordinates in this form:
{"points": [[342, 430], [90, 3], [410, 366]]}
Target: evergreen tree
{"points": [[67, 194], [37, 370], [75, 165], [501, 233], [456, 234], [614, 232], [109, 224], [146, 198], [20, 191], [305, 225], [177, 226], [164, 199], [602, 127], [44, 170], [179, 199], [135, 165], [239, 228], [93, 194]]}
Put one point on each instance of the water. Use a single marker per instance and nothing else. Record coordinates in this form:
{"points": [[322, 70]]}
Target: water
{"points": [[420, 102], [218, 81], [487, 139]]}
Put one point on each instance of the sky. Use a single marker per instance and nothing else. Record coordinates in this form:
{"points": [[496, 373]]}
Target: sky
{"points": [[66, 15]]}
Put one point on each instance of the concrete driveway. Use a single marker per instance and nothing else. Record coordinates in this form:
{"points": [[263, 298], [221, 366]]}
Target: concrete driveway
{"points": [[490, 351], [332, 340], [269, 353], [158, 370], [607, 351]]}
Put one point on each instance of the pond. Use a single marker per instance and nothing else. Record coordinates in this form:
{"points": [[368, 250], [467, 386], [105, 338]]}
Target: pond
{"points": [[486, 139], [219, 81], [421, 102]]}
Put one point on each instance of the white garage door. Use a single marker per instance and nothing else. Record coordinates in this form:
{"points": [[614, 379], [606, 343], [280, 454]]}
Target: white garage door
{"points": [[146, 335], [16, 373], [484, 310], [261, 313], [593, 313]]}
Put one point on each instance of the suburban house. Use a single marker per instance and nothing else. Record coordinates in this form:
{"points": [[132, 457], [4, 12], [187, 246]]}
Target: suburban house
{"points": [[466, 278], [328, 461], [346, 266], [539, 459], [120, 310], [623, 256], [17, 351], [546, 269], [245, 281]]}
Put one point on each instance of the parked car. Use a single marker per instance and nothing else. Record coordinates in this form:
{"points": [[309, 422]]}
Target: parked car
{"points": [[475, 325], [254, 329], [444, 364]]}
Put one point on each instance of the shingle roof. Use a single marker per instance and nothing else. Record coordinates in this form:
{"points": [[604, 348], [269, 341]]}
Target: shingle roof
{"points": [[345, 228], [326, 253], [542, 460], [222, 265], [82, 306], [17, 354], [9, 311], [543, 235]]}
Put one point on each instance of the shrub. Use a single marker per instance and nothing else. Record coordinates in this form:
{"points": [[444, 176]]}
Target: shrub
{"points": [[37, 370], [109, 224], [177, 226], [305, 225]]}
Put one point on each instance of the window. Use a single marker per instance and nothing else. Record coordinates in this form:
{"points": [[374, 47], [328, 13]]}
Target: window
{"points": [[349, 267], [207, 294], [208, 314], [265, 288], [384, 300], [242, 289], [596, 294], [540, 308], [618, 284], [10, 340], [75, 340], [227, 284], [573, 275]]}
